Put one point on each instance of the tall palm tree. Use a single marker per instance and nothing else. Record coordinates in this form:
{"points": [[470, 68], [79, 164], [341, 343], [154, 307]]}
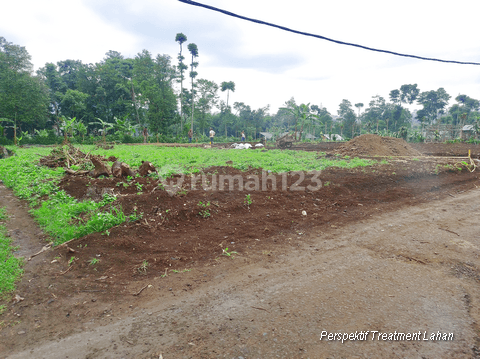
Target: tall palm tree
{"points": [[227, 86], [181, 38], [194, 52]]}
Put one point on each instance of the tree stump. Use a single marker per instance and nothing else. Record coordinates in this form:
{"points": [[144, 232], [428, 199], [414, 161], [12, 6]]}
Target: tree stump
{"points": [[121, 169], [100, 168], [146, 168]]}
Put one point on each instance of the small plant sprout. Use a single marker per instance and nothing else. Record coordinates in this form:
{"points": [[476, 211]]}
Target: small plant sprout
{"points": [[247, 201], [71, 260], [143, 267], [183, 192], [93, 261], [227, 253], [204, 212], [181, 271]]}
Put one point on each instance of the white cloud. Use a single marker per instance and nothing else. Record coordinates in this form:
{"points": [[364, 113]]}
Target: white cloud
{"points": [[268, 65], [57, 30]]}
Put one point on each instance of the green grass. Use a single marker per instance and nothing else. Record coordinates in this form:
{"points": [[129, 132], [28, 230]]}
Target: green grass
{"points": [[3, 213], [65, 218], [170, 160], [60, 215], [10, 266]]}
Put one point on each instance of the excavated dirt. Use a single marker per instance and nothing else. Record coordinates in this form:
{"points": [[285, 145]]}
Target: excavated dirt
{"points": [[374, 145], [377, 248]]}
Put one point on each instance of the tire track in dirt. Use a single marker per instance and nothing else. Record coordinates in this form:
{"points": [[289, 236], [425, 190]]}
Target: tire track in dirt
{"points": [[20, 226]]}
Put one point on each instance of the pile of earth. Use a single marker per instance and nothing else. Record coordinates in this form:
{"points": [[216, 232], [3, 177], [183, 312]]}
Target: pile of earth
{"points": [[374, 145]]}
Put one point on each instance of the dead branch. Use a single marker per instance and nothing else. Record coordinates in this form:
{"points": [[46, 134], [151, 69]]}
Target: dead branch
{"points": [[68, 269], [140, 291], [45, 248], [449, 231], [75, 173], [260, 309]]}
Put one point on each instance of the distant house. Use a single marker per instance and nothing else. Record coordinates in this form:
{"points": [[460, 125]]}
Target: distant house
{"points": [[468, 131], [309, 136]]}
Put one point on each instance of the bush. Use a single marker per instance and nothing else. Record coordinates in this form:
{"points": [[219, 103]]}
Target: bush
{"points": [[5, 141]]}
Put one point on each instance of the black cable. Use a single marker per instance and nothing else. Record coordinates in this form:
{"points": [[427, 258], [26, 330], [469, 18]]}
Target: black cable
{"points": [[189, 2]]}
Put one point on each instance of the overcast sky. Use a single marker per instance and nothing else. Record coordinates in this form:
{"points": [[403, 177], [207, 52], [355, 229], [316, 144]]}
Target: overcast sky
{"points": [[269, 66]]}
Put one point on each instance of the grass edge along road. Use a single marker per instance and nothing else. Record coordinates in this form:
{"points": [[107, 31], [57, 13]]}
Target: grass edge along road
{"points": [[58, 213], [10, 266]]}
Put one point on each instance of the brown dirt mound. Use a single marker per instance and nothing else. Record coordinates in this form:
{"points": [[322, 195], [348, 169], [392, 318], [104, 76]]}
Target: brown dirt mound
{"points": [[374, 145], [64, 156]]}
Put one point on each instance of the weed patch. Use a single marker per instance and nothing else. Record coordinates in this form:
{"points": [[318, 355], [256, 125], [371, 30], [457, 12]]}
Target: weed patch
{"points": [[10, 266]]}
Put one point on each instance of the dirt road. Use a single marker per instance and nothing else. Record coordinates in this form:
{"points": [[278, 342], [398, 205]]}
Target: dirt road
{"points": [[407, 273]]}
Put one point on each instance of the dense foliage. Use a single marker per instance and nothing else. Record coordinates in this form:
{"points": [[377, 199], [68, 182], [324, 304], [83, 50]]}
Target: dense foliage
{"points": [[119, 96]]}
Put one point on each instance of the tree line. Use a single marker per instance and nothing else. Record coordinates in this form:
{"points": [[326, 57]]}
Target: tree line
{"points": [[120, 96]]}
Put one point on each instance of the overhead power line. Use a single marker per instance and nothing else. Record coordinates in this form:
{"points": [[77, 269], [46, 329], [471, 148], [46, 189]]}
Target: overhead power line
{"points": [[194, 3]]}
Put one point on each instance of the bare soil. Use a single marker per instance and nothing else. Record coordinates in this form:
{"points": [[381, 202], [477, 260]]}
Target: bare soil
{"points": [[373, 145], [392, 247]]}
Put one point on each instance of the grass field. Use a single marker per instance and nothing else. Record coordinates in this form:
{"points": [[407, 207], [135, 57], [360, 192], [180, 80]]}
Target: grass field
{"points": [[63, 217]]}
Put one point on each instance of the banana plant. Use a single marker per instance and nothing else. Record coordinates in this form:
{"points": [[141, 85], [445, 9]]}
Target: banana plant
{"points": [[68, 126], [124, 126], [301, 114], [81, 129], [106, 126]]}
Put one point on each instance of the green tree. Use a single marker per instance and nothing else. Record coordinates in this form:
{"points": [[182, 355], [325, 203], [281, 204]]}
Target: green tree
{"points": [[468, 105], [70, 72], [23, 97], [226, 112], [56, 89], [284, 117], [181, 38], [376, 114], [359, 107], [301, 115], [207, 93], [395, 97], [154, 80], [113, 87], [73, 103], [409, 93], [193, 65], [433, 103], [324, 117], [347, 114], [228, 86]]}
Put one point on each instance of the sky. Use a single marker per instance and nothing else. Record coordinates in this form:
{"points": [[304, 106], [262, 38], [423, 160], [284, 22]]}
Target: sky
{"points": [[269, 66]]}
